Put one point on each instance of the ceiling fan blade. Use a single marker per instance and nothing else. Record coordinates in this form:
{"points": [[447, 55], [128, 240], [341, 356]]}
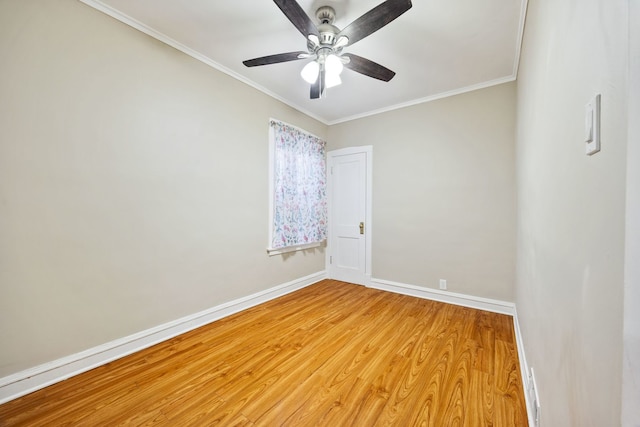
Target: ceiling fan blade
{"points": [[297, 16], [274, 59], [368, 68], [375, 19], [315, 90]]}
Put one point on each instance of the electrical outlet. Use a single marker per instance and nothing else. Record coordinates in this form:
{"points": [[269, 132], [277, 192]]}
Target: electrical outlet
{"points": [[443, 284], [534, 399]]}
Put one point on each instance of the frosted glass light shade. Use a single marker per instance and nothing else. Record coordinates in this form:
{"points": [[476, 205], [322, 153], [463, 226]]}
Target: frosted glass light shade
{"points": [[332, 80], [333, 65], [310, 72]]}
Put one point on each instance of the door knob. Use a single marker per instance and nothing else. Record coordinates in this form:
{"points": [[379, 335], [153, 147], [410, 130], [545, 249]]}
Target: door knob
{"points": [[362, 228]]}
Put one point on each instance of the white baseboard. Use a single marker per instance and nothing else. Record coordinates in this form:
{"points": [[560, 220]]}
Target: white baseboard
{"points": [[524, 370], [495, 306], [29, 380]]}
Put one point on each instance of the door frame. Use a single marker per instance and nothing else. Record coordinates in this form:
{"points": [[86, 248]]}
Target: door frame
{"points": [[331, 155]]}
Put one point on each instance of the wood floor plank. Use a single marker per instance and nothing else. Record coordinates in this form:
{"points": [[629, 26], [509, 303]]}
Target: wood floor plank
{"points": [[331, 354], [481, 394]]}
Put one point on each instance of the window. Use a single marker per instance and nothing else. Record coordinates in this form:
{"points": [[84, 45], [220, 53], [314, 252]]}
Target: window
{"points": [[298, 182]]}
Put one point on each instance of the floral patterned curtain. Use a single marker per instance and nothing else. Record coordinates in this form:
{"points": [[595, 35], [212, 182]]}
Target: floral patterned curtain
{"points": [[300, 195]]}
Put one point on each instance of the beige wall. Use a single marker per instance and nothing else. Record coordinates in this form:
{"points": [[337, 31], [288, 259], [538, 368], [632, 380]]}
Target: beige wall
{"points": [[133, 192], [631, 357], [443, 191], [133, 183], [571, 208]]}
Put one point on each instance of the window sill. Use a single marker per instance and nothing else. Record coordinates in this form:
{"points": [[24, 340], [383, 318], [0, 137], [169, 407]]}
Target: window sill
{"points": [[279, 251]]}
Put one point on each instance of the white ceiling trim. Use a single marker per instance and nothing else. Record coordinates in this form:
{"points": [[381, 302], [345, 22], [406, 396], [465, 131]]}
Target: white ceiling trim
{"points": [[523, 17], [98, 5], [428, 99]]}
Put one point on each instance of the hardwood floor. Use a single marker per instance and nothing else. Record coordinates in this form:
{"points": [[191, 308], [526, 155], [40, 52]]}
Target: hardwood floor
{"points": [[331, 354]]}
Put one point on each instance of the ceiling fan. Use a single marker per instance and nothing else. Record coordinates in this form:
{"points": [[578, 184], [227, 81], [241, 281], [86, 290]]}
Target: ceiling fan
{"points": [[325, 43]]}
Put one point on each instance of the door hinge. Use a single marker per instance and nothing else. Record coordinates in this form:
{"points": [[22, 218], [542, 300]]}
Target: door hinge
{"points": [[330, 259], [331, 170]]}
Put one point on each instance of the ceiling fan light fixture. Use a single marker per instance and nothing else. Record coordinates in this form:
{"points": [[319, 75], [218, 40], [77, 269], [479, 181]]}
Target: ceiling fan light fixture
{"points": [[341, 42], [314, 39], [310, 72]]}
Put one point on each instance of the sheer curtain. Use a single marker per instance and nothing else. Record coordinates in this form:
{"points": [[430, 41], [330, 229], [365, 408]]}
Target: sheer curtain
{"points": [[299, 187]]}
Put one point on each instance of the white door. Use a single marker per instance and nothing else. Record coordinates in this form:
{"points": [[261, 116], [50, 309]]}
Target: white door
{"points": [[349, 215]]}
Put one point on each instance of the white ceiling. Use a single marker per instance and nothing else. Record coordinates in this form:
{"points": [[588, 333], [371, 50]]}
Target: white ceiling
{"points": [[437, 48]]}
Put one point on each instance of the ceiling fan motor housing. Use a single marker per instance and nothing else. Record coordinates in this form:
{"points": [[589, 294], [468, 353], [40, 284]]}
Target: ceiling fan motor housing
{"points": [[326, 15]]}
